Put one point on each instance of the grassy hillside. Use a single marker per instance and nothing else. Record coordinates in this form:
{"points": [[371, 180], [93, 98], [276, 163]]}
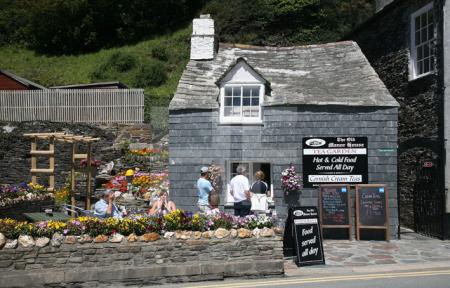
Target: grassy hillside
{"points": [[170, 51]]}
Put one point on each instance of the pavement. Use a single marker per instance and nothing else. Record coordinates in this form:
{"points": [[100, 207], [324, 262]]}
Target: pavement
{"points": [[411, 252]]}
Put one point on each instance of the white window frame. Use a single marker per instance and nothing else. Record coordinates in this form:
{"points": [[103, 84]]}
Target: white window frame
{"points": [[413, 51], [241, 119], [229, 198]]}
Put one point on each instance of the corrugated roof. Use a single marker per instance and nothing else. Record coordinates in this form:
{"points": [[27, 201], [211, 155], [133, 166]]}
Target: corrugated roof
{"points": [[118, 84], [24, 81], [325, 74]]}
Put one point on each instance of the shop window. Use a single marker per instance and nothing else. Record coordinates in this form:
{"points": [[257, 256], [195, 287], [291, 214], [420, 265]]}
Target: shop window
{"points": [[252, 167], [422, 42]]}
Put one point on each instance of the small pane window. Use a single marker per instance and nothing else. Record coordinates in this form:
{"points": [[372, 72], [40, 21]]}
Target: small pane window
{"points": [[227, 111], [246, 91], [236, 91], [422, 34], [242, 102], [255, 91]]}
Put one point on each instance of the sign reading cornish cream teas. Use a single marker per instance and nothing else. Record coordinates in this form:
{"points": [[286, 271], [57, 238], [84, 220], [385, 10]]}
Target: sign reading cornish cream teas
{"points": [[308, 237], [333, 160]]}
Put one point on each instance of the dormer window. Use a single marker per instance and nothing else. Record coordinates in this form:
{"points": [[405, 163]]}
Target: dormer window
{"points": [[242, 92], [242, 103]]}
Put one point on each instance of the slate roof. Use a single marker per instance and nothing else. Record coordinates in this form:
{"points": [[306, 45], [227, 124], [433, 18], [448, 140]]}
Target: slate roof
{"points": [[100, 85], [26, 82], [325, 74]]}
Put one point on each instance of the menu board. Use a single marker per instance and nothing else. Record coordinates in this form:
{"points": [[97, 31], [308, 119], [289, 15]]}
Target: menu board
{"points": [[372, 207], [308, 236], [334, 205]]}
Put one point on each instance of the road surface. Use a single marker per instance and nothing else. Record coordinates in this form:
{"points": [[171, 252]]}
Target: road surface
{"points": [[437, 278]]}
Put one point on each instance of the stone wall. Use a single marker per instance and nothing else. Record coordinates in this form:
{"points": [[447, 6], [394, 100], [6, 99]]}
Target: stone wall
{"points": [[140, 263], [15, 159], [197, 139], [385, 41]]}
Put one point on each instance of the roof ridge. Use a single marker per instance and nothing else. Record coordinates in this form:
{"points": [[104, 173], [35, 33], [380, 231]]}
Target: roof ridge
{"points": [[249, 46]]}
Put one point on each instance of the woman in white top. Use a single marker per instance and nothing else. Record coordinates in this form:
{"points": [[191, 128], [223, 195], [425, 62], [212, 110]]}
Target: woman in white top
{"points": [[260, 192]]}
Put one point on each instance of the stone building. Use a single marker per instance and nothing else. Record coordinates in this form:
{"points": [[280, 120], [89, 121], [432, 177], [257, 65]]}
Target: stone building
{"points": [[407, 43], [255, 106]]}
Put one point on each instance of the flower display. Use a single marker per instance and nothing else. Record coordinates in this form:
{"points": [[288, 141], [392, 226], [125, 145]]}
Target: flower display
{"points": [[47, 228], [36, 188], [217, 219], [138, 224], [290, 182], [143, 182], [149, 152], [215, 176], [177, 220], [141, 157], [259, 221], [62, 195], [12, 194]]}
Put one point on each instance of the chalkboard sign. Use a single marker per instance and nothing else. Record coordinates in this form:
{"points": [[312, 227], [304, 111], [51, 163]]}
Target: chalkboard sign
{"points": [[308, 236], [334, 203], [372, 208]]}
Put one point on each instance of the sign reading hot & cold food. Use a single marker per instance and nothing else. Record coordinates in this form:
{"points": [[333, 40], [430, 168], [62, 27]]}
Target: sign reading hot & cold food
{"points": [[332, 160]]}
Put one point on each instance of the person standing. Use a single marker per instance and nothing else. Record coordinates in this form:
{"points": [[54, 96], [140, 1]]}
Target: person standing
{"points": [[204, 188], [240, 190], [260, 192]]}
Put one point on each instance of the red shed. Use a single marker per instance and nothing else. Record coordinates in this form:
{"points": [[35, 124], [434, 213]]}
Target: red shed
{"points": [[10, 81]]}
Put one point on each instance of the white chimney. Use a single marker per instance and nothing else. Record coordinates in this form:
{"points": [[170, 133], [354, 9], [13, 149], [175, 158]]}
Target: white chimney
{"points": [[203, 38]]}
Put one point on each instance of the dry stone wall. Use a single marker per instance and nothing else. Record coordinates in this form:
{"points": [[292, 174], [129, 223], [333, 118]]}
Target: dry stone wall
{"points": [[140, 263]]}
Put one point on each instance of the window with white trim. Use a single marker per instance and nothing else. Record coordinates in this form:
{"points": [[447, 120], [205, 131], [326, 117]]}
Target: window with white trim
{"points": [[252, 167], [241, 103], [422, 42]]}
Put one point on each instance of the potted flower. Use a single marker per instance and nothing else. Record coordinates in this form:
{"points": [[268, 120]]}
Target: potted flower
{"points": [[290, 182]]}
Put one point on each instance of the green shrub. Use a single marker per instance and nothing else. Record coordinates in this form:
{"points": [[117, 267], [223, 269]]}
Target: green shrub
{"points": [[160, 52], [116, 64], [121, 61], [100, 73], [151, 74]]}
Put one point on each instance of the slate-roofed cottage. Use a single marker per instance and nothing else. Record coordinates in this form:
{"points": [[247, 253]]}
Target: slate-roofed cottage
{"points": [[408, 43], [255, 105]]}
